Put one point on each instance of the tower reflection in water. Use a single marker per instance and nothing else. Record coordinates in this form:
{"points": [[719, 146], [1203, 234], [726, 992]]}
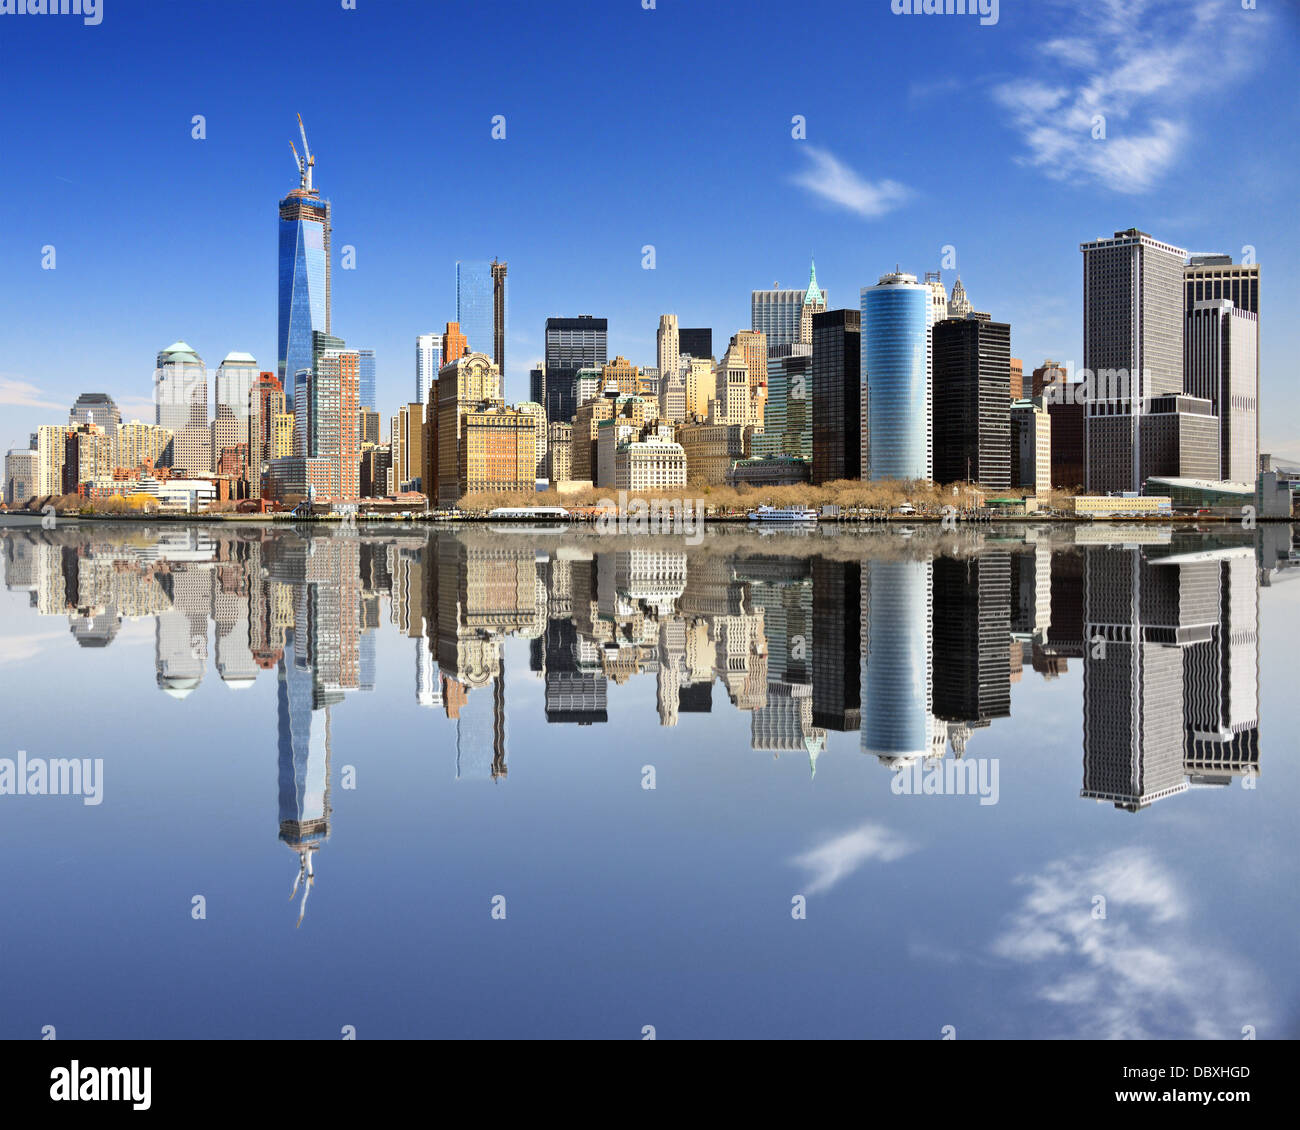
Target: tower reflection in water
{"points": [[914, 644]]}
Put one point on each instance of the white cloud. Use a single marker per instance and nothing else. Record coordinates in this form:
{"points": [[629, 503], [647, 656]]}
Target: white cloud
{"points": [[19, 649], [1146, 67], [840, 857], [835, 183], [1145, 970], [21, 394]]}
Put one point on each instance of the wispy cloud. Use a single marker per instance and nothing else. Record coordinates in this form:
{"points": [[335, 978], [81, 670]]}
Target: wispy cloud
{"points": [[16, 393], [1145, 970], [1145, 66], [19, 649], [840, 857], [834, 183]]}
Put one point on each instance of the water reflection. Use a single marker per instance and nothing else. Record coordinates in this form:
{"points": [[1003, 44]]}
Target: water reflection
{"points": [[913, 643]]}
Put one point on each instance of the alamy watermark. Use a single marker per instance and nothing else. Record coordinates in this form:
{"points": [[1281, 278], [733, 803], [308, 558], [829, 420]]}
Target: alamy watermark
{"points": [[677, 516], [91, 11], [967, 777], [987, 10], [58, 776]]}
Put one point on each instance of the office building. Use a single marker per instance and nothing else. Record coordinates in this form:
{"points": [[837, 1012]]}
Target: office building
{"points": [[667, 347], [1132, 344], [784, 317], [472, 383], [499, 307], [428, 360], [369, 380], [652, 463], [895, 343], [474, 287], [305, 270], [455, 344], [368, 426], [1222, 366], [270, 404], [235, 422], [21, 476], [1031, 445], [538, 414], [181, 406], [971, 398], [787, 411], [559, 452], [139, 444], [696, 342], [1017, 379], [95, 408], [836, 377], [571, 344]]}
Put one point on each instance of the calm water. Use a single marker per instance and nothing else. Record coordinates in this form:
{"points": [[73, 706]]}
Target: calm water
{"points": [[1033, 782]]}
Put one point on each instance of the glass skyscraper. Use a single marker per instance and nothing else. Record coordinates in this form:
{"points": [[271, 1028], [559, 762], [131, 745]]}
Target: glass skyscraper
{"points": [[894, 367], [897, 669], [304, 274], [369, 399], [474, 286]]}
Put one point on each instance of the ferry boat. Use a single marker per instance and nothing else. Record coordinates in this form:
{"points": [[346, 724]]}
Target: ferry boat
{"points": [[787, 514]]}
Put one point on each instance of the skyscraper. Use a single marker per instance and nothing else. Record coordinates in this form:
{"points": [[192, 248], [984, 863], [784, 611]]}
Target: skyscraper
{"points": [[895, 337], [233, 422], [474, 303], [181, 406], [454, 344], [571, 344], [269, 394], [897, 724], [499, 307], [95, 408], [667, 346], [428, 360], [1214, 278], [787, 410], [695, 343], [836, 392], [304, 291], [369, 393], [781, 314], [814, 302], [1222, 367], [972, 402], [1133, 346]]}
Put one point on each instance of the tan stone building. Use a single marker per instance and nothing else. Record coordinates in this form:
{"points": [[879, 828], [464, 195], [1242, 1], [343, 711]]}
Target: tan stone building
{"points": [[711, 448]]}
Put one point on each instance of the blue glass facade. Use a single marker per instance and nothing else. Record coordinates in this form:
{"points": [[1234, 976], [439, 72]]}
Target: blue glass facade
{"points": [[474, 303], [304, 283], [366, 375], [894, 366], [896, 719]]}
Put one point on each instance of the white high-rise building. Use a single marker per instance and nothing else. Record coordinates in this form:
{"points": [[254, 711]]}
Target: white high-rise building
{"points": [[428, 360], [936, 311], [1220, 344]]}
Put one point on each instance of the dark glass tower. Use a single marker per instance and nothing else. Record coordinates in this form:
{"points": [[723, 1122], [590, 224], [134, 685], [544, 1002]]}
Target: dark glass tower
{"points": [[571, 344], [972, 402], [696, 342], [836, 395], [304, 291]]}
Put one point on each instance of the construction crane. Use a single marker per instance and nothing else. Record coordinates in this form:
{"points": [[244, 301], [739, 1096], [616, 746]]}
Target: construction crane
{"points": [[305, 163]]}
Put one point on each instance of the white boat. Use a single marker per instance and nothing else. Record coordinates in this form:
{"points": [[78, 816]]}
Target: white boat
{"points": [[783, 514]]}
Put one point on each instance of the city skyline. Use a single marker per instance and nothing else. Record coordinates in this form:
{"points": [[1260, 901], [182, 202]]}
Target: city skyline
{"points": [[401, 288]]}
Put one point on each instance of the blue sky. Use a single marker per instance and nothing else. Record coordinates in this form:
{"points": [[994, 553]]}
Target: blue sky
{"points": [[624, 127]]}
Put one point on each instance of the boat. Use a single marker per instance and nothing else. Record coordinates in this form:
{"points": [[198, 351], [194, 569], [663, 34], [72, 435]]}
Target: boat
{"points": [[786, 514]]}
